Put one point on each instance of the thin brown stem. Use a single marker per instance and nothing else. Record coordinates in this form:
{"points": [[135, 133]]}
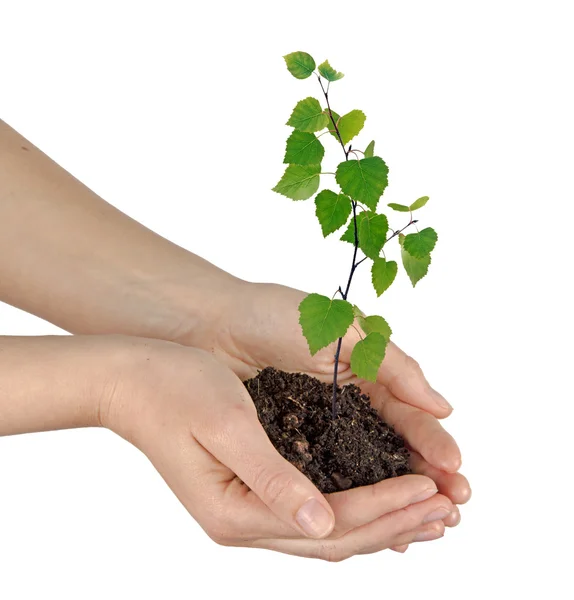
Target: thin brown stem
{"points": [[395, 233], [326, 94]]}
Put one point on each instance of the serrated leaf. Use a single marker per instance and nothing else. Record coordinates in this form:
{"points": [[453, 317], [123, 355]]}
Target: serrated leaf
{"points": [[383, 273], [373, 234], [308, 116], [372, 231], [329, 73], [332, 210], [299, 182], [363, 180], [300, 64], [303, 148], [416, 268], [370, 149], [399, 207], [357, 311], [419, 203], [324, 320], [351, 124], [420, 244], [377, 324], [367, 356]]}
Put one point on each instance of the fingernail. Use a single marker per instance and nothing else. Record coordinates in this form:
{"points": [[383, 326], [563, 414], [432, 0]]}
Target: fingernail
{"points": [[441, 400], [314, 519], [435, 515], [427, 536], [428, 493]]}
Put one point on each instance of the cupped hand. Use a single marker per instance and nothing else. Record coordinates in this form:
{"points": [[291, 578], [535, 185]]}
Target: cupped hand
{"points": [[259, 327], [193, 418]]}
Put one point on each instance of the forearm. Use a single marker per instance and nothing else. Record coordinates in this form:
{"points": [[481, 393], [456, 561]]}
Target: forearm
{"points": [[54, 382], [71, 258]]}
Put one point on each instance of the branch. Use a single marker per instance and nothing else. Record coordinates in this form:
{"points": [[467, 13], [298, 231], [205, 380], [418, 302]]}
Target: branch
{"points": [[326, 94], [412, 222]]}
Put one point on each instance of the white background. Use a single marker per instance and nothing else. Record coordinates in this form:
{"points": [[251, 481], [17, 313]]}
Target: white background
{"points": [[174, 112]]}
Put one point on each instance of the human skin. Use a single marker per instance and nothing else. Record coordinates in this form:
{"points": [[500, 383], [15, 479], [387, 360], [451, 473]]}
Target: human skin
{"points": [[195, 421], [90, 269]]}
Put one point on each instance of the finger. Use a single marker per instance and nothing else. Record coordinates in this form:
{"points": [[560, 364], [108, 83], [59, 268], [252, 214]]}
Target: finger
{"points": [[419, 534], [395, 529], [453, 519], [403, 377], [237, 439], [425, 533], [422, 431], [359, 506], [402, 527], [452, 485], [218, 500], [244, 516]]}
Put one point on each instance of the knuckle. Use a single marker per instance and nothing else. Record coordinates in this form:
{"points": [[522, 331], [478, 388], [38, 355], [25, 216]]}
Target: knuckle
{"points": [[408, 518], [412, 365], [231, 421], [274, 487]]}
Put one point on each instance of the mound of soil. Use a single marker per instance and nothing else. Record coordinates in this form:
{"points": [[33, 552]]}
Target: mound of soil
{"points": [[356, 448]]}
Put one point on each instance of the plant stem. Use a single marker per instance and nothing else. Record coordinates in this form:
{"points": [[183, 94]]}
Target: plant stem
{"points": [[395, 233], [354, 264], [326, 94], [356, 248]]}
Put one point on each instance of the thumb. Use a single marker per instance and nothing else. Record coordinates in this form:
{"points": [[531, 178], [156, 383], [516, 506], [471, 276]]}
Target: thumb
{"points": [[237, 439]]}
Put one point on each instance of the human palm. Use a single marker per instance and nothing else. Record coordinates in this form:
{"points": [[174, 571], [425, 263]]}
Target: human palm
{"points": [[261, 329]]}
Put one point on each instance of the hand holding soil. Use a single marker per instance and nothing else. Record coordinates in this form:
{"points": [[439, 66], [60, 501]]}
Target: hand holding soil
{"points": [[187, 407], [195, 421]]}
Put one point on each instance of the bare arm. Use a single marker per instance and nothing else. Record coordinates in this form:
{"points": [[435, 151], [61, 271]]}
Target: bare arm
{"points": [[69, 257], [52, 382]]}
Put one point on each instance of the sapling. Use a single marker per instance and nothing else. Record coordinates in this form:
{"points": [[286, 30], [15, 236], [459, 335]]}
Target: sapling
{"points": [[361, 178]]}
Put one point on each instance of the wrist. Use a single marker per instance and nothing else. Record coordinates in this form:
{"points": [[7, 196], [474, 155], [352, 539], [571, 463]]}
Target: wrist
{"points": [[193, 304], [53, 382], [145, 375]]}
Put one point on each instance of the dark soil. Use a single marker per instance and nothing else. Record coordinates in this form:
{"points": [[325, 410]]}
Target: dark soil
{"points": [[357, 448]]}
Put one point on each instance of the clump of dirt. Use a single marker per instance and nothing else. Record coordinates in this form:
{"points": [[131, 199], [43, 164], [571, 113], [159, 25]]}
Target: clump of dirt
{"points": [[356, 448]]}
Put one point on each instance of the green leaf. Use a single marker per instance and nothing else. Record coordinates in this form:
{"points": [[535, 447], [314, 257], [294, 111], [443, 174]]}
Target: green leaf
{"points": [[416, 268], [329, 73], [399, 207], [383, 274], [303, 149], [357, 311], [300, 64], [324, 320], [363, 180], [367, 356], [308, 116], [420, 244], [351, 124], [419, 203], [375, 323], [372, 231], [333, 210], [299, 182], [370, 149]]}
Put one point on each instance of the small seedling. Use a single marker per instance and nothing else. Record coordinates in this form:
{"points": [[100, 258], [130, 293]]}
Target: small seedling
{"points": [[362, 181]]}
